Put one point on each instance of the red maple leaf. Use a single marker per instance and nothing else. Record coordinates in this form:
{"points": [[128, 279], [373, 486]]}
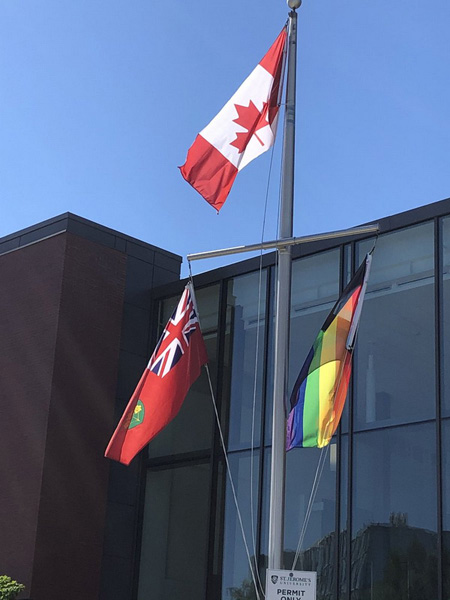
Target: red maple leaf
{"points": [[251, 119]]}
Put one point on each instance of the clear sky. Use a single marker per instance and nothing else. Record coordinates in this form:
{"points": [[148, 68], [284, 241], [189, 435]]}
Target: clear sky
{"points": [[100, 100]]}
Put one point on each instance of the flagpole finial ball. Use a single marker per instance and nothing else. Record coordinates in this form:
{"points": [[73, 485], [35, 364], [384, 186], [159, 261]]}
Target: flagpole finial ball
{"points": [[294, 3]]}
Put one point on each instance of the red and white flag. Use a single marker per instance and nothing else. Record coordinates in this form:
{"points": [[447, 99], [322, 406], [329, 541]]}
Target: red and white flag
{"points": [[174, 366], [243, 129]]}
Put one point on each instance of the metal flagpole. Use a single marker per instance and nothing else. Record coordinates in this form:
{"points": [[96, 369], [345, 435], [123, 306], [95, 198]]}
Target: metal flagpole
{"points": [[294, 241], [283, 245], [276, 512]]}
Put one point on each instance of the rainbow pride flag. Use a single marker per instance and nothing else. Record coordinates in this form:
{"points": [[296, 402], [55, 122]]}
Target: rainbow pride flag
{"points": [[318, 397]]}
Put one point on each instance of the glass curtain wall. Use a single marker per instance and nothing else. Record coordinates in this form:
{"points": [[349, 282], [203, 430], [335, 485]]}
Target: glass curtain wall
{"points": [[175, 533], [395, 380], [310, 534], [394, 515], [374, 529], [176, 523], [445, 404], [244, 394]]}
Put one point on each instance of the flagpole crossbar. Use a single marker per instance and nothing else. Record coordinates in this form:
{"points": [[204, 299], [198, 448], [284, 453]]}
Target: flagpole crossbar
{"points": [[283, 243]]}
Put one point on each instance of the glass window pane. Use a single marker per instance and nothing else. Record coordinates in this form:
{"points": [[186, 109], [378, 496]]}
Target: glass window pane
{"points": [[237, 582], [246, 315], [343, 525], [446, 504], [318, 547], [394, 357], [394, 542], [315, 289], [193, 426], [175, 534], [446, 315]]}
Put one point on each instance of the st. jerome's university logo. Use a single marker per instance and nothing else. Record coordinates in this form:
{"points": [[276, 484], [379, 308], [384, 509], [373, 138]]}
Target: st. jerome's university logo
{"points": [[274, 578]]}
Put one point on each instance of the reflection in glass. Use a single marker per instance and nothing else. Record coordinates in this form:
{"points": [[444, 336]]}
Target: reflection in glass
{"points": [[390, 548], [315, 289], [394, 545], [394, 358], [246, 307], [343, 520], [236, 577], [192, 427], [318, 547], [175, 534]]}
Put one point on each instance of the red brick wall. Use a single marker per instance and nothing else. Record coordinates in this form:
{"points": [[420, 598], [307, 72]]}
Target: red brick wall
{"points": [[60, 324], [29, 307]]}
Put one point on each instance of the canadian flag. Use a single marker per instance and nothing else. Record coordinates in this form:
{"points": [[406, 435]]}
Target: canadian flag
{"points": [[243, 129]]}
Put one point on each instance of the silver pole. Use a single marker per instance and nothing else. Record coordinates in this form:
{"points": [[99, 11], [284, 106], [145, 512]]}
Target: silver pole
{"points": [[293, 241], [276, 513]]}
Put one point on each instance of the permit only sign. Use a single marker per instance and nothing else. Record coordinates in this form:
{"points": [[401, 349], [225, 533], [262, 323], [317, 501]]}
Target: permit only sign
{"points": [[290, 585]]}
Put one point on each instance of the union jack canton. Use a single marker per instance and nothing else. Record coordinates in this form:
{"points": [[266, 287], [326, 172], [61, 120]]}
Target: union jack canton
{"points": [[174, 340]]}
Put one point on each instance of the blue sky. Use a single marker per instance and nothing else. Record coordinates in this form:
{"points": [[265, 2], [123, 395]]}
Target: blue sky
{"points": [[100, 100]]}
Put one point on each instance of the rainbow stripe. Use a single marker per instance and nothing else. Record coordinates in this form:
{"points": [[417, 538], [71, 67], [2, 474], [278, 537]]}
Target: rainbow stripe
{"points": [[319, 394]]}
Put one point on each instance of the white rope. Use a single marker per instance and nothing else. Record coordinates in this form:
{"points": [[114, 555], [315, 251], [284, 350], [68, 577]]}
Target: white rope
{"points": [[322, 458], [315, 486], [233, 489], [228, 468], [320, 466], [312, 497], [252, 447], [255, 381]]}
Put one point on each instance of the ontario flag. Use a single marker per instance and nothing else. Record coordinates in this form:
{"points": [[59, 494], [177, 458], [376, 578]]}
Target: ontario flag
{"points": [[174, 366], [243, 129]]}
